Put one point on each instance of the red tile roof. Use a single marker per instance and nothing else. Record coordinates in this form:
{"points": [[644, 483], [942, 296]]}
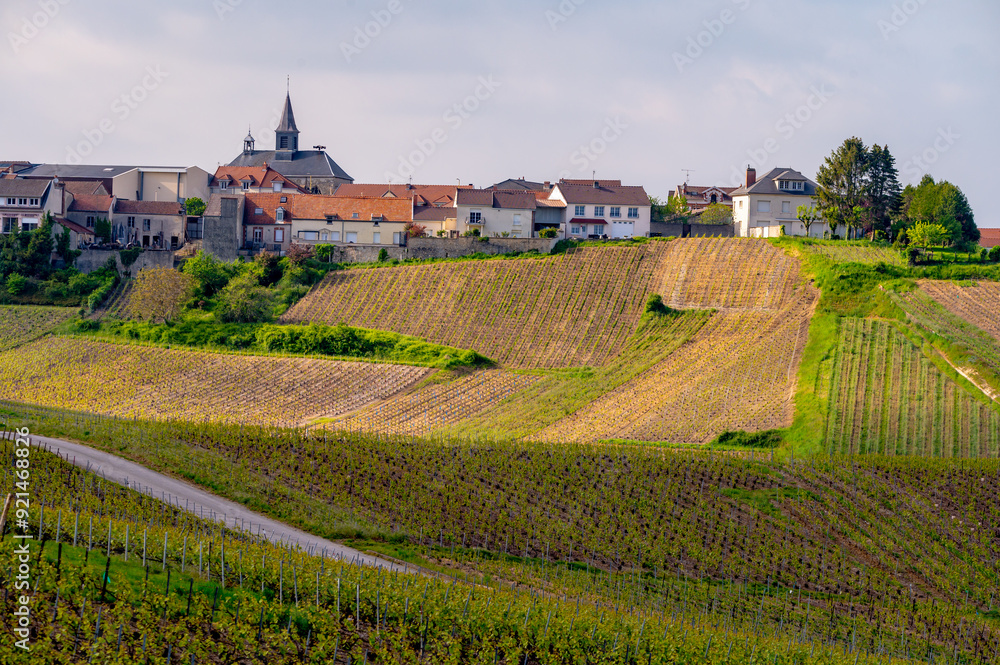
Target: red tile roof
{"points": [[90, 203], [317, 207], [603, 194], [73, 226], [442, 195], [128, 207], [86, 188], [259, 176]]}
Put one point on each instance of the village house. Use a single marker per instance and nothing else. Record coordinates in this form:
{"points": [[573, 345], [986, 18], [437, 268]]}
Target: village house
{"points": [[86, 209], [698, 198], [597, 208], [433, 205], [23, 203], [342, 220], [140, 183], [255, 179], [768, 207], [151, 224], [496, 213]]}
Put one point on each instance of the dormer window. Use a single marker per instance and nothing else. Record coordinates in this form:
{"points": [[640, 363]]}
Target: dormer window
{"points": [[329, 219], [223, 184], [34, 202], [258, 211], [791, 185], [276, 187], [246, 184], [280, 214], [284, 199], [355, 215]]}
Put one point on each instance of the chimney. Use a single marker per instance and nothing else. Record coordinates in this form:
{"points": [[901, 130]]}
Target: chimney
{"points": [[751, 175], [597, 185]]}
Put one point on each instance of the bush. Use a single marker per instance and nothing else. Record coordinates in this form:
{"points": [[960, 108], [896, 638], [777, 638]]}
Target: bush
{"points": [[769, 439], [383, 255], [87, 325], [995, 254], [244, 301], [548, 233], [17, 284], [101, 294]]}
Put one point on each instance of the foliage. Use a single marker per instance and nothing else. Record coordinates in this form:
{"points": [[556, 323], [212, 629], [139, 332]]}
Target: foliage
{"points": [[383, 255], [17, 284], [940, 203], [740, 439], [859, 187], [159, 294], [244, 300], [195, 207], [102, 229], [28, 253], [995, 254], [210, 274], [414, 230], [549, 233], [808, 215], [299, 254], [925, 234], [717, 213]]}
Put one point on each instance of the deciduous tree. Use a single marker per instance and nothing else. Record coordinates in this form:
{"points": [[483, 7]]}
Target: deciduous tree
{"points": [[159, 294]]}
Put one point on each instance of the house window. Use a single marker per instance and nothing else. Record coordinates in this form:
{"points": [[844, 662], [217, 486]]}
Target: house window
{"points": [[786, 207], [397, 238], [599, 229], [763, 206], [335, 236], [633, 213], [517, 220], [581, 211], [575, 230], [329, 219], [309, 235], [146, 223], [223, 184], [324, 236], [476, 217], [34, 202], [11, 202], [741, 204], [616, 211], [246, 184], [258, 235], [279, 235], [352, 236], [258, 211], [279, 214], [355, 215], [9, 224], [29, 224], [377, 238], [276, 187], [284, 199], [598, 211], [131, 222], [22, 202], [90, 222]]}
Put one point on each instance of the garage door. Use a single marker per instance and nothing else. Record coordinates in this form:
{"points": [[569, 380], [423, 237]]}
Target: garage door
{"points": [[622, 229]]}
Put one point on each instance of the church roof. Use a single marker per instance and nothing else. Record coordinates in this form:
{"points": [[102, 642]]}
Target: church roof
{"points": [[287, 123], [303, 164]]}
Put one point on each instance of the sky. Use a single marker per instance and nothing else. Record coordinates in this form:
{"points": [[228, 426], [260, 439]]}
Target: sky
{"points": [[478, 92]]}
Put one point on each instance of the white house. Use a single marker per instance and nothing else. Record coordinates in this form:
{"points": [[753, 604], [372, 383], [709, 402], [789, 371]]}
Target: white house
{"points": [[496, 212], [762, 207], [603, 207]]}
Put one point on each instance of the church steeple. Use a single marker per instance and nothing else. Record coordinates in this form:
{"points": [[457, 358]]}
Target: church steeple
{"points": [[287, 134], [248, 142]]}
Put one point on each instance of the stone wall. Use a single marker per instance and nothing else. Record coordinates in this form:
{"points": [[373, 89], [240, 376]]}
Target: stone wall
{"points": [[222, 233], [711, 231], [666, 230], [440, 248], [92, 259]]}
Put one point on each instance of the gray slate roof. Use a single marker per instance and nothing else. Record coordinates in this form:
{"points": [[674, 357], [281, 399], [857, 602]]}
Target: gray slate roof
{"points": [[304, 164], [287, 123], [24, 188], [768, 184], [87, 171]]}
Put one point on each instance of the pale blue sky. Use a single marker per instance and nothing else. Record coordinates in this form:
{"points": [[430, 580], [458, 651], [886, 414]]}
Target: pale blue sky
{"points": [[650, 87]]}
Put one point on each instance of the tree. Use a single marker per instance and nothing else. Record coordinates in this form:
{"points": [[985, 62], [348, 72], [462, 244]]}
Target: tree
{"points": [[244, 300], [299, 254], [210, 274], [941, 203], [859, 187], [102, 229], [195, 207], [158, 294], [717, 213], [808, 215], [414, 230], [928, 235]]}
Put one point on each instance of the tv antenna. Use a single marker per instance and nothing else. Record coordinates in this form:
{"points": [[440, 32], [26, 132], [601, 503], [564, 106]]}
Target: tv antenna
{"points": [[687, 174], [321, 148]]}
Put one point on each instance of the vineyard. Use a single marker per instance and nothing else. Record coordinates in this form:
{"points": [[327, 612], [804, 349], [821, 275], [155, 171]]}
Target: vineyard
{"points": [[887, 398], [19, 325], [150, 382], [562, 311], [841, 559], [864, 253], [977, 304]]}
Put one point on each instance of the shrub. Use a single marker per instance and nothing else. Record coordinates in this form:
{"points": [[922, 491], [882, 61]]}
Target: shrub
{"points": [[17, 284], [769, 439], [995, 254], [244, 300], [383, 255], [548, 233], [87, 325]]}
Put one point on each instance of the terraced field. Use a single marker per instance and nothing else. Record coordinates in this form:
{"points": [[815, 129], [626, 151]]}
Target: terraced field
{"points": [[560, 311], [887, 398], [21, 324], [149, 382]]}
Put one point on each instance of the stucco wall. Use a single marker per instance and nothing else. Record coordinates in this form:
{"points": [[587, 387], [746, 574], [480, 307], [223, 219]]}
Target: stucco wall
{"points": [[92, 259]]}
